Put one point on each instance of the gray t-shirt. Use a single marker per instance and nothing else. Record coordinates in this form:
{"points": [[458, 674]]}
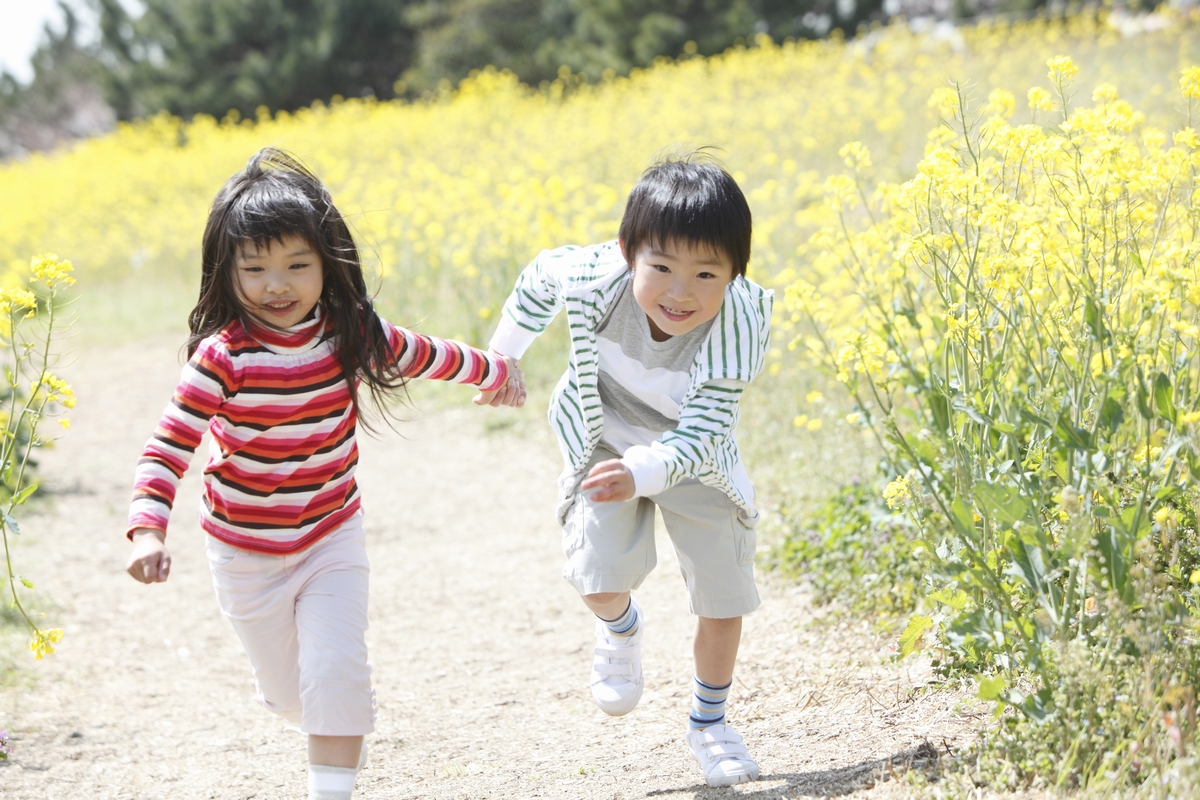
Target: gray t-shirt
{"points": [[642, 382]]}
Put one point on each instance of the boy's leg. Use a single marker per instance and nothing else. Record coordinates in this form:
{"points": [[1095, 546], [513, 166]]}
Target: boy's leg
{"points": [[610, 549], [716, 556]]}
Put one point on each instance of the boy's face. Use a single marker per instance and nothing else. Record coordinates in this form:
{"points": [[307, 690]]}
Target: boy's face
{"points": [[679, 287], [279, 285]]}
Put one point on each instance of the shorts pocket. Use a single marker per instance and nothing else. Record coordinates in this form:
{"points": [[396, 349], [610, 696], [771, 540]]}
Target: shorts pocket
{"points": [[221, 555], [745, 538], [573, 520]]}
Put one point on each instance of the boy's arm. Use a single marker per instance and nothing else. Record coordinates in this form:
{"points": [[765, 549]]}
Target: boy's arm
{"points": [[535, 300], [683, 452], [202, 388]]}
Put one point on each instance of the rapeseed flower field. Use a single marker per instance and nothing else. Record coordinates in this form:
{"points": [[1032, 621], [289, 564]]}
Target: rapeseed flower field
{"points": [[450, 196]]}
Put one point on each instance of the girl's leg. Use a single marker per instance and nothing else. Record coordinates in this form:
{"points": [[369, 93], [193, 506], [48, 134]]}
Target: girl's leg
{"points": [[331, 624]]}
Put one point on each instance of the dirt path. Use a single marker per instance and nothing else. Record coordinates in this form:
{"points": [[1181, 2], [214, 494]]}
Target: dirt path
{"points": [[480, 649]]}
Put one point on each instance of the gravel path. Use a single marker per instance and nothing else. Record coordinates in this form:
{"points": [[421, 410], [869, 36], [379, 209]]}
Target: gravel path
{"points": [[480, 649]]}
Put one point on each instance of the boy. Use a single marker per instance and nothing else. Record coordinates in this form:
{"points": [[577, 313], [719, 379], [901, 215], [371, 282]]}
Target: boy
{"points": [[666, 332]]}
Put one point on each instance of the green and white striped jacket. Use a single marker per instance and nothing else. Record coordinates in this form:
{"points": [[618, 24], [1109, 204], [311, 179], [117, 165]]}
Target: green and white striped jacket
{"points": [[586, 281]]}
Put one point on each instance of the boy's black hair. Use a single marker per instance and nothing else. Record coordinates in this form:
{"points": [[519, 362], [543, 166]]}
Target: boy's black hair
{"points": [[688, 197], [277, 196]]}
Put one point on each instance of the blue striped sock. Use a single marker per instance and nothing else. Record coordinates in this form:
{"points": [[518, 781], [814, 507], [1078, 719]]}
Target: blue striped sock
{"points": [[708, 704], [624, 625]]}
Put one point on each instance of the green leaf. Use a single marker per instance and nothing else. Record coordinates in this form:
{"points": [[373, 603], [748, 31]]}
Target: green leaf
{"points": [[991, 688], [913, 632], [10, 522], [1143, 397], [1004, 504], [939, 408], [26, 582], [1168, 492], [1111, 414], [1029, 416], [24, 494], [956, 599], [963, 519], [1094, 318], [1003, 427], [1164, 398], [1071, 435]]}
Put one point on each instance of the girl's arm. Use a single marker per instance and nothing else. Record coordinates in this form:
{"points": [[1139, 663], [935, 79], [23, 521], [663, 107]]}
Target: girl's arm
{"points": [[420, 356], [202, 388]]}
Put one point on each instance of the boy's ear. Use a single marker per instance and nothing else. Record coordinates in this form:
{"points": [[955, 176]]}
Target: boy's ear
{"points": [[624, 252]]}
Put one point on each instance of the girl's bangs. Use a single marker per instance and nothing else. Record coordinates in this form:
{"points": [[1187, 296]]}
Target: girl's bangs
{"points": [[266, 212]]}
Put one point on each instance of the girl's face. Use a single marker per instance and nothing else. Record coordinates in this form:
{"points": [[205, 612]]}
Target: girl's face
{"points": [[679, 287], [279, 285]]}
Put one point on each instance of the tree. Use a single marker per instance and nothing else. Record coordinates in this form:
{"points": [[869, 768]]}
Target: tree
{"points": [[210, 56], [63, 101]]}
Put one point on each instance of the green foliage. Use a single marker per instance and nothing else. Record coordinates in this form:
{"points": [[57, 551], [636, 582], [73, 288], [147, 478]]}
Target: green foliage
{"points": [[854, 552], [201, 56], [535, 38]]}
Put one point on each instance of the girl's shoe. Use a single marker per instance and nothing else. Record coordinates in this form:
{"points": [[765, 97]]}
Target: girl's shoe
{"points": [[722, 756], [617, 669]]}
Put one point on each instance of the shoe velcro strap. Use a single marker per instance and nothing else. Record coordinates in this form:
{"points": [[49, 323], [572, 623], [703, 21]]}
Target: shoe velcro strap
{"points": [[620, 670], [721, 751], [620, 653]]}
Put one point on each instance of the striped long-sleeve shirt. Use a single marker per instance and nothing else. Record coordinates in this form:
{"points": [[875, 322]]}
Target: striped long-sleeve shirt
{"points": [[280, 472], [586, 281]]}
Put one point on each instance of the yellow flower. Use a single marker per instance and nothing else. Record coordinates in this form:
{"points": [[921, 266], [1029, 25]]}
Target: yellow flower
{"points": [[1040, 99], [800, 420], [813, 425], [1189, 82], [52, 270], [814, 397], [1062, 68], [897, 492], [44, 641]]}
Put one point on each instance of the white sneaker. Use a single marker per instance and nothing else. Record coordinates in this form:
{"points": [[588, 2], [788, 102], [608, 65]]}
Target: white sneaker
{"points": [[722, 756], [617, 668]]}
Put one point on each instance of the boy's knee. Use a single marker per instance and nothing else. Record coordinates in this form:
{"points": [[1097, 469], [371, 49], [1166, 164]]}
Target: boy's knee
{"points": [[604, 598]]}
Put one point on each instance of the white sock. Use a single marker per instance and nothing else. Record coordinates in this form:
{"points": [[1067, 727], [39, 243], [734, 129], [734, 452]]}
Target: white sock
{"points": [[330, 783]]}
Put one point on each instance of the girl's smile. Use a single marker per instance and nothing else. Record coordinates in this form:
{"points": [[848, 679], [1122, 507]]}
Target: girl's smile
{"points": [[281, 283]]}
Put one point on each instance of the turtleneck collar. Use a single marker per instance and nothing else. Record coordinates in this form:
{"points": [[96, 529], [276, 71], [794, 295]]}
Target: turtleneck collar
{"points": [[299, 338]]}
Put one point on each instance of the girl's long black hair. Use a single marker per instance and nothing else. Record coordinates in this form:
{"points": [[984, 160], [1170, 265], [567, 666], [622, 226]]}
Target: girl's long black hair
{"points": [[276, 196]]}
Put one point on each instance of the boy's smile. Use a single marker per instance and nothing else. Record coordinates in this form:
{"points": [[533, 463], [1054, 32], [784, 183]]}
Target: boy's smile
{"points": [[281, 284], [679, 286]]}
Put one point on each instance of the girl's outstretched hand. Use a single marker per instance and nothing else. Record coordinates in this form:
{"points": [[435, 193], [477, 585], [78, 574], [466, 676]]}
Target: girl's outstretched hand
{"points": [[149, 562], [512, 393]]}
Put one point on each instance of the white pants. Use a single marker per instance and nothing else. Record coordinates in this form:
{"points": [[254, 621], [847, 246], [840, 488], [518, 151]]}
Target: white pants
{"points": [[302, 619]]}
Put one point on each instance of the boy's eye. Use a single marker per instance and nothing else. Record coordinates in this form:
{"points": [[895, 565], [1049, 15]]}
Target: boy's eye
{"points": [[660, 267]]}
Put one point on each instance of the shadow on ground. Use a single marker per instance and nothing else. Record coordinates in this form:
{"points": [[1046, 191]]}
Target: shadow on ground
{"points": [[828, 782]]}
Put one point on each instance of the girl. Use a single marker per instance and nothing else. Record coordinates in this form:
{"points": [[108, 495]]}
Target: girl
{"points": [[282, 337]]}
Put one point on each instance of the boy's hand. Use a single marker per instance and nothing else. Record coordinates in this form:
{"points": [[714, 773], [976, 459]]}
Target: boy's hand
{"points": [[149, 562], [512, 393], [612, 481]]}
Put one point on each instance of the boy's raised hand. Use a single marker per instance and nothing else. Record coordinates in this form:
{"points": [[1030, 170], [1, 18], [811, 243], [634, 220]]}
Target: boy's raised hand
{"points": [[149, 562], [512, 393], [611, 480]]}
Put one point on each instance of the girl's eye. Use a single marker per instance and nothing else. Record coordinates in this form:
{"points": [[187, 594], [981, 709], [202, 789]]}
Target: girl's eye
{"points": [[299, 266]]}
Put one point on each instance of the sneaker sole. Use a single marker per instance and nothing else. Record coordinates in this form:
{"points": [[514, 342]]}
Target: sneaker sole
{"points": [[621, 710]]}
